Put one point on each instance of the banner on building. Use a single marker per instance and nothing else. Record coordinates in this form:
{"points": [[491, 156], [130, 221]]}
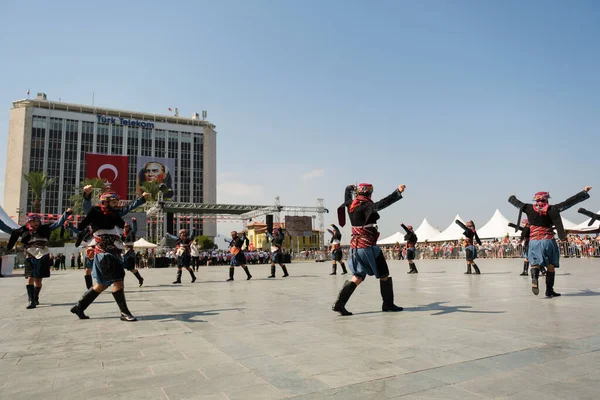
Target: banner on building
{"points": [[112, 169], [156, 169], [298, 226]]}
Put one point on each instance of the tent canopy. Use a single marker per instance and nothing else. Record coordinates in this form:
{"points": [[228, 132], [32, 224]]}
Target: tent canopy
{"points": [[497, 227], [584, 225], [143, 244], [395, 238], [425, 231], [452, 232]]}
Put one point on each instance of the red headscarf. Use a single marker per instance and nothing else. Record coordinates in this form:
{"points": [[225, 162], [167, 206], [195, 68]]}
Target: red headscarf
{"points": [[541, 199], [363, 195]]}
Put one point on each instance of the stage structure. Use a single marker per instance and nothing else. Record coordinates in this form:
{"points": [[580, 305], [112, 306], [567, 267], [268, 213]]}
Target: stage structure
{"points": [[242, 212]]}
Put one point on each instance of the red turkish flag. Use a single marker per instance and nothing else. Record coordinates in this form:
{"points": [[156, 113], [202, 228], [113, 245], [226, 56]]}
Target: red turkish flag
{"points": [[112, 169]]}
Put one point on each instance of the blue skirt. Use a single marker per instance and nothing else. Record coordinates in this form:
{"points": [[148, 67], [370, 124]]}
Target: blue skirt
{"points": [[543, 253], [108, 269], [368, 261], [410, 253], [471, 252], [238, 260], [336, 255]]}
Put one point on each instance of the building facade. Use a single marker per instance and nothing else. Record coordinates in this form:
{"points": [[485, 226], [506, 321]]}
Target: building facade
{"points": [[55, 137]]}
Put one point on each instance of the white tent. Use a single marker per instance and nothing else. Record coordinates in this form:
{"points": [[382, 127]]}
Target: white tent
{"points": [[568, 224], [497, 227], [425, 231], [395, 238], [143, 244], [584, 225], [7, 220], [452, 232]]}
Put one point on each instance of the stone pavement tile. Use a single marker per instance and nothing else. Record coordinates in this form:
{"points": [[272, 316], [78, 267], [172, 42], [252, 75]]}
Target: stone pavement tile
{"points": [[459, 372], [142, 394], [344, 393], [510, 361], [182, 379], [258, 392], [261, 361], [572, 367], [343, 377], [228, 369], [401, 385], [186, 365], [533, 394], [212, 396], [503, 384], [290, 380], [442, 393], [570, 389]]}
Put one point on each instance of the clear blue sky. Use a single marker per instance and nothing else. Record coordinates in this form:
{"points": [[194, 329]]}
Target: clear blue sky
{"points": [[465, 102]]}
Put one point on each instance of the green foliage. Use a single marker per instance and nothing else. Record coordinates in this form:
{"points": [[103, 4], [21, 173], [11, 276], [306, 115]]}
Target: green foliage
{"points": [[205, 243], [38, 182], [57, 241]]}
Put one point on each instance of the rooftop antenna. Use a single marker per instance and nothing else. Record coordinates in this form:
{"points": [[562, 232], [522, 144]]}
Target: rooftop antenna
{"points": [[93, 98]]}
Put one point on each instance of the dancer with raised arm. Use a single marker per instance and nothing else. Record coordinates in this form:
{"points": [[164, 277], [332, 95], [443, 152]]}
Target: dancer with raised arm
{"points": [[106, 222], [184, 254], [336, 250], [276, 239], [366, 258], [543, 249], [238, 257], [411, 240], [524, 241], [471, 251], [35, 237]]}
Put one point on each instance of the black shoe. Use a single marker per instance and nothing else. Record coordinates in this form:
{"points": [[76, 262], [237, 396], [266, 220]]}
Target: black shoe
{"points": [[340, 304], [194, 279], [272, 272], [30, 296], [534, 287], [128, 318], [79, 312], [176, 282], [523, 274], [387, 295], [229, 280], [476, 268], [552, 294], [285, 273], [141, 282], [333, 273], [271, 276]]}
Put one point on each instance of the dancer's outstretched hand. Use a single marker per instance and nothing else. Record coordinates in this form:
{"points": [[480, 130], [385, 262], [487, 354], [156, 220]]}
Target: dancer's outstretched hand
{"points": [[147, 195], [87, 189], [401, 188], [587, 188]]}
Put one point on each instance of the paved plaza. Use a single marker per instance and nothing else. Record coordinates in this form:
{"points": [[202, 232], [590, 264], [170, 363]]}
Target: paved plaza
{"points": [[460, 337]]}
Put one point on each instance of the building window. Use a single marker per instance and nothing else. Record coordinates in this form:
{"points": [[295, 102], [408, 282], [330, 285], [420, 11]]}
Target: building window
{"points": [[102, 139], [117, 140], [87, 145], [69, 183], [132, 151]]}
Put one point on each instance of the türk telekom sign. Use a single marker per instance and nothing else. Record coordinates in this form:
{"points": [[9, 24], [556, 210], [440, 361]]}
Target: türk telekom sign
{"points": [[103, 119]]}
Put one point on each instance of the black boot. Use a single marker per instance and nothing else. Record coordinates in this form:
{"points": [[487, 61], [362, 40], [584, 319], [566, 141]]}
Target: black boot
{"points": [[535, 275], [83, 303], [387, 294], [477, 271], [525, 268], [231, 271], [285, 273], [178, 280], [415, 268], [247, 271], [344, 272], [333, 269], [192, 274], [37, 291], [468, 269], [120, 299], [30, 296], [411, 270], [550, 285], [543, 271], [139, 278], [272, 271], [343, 297], [88, 281]]}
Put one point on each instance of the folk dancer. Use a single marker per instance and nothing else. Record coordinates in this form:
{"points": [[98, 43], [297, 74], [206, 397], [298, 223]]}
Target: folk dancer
{"points": [[238, 258], [470, 249], [543, 250], [336, 250], [128, 238], [184, 256], [366, 258], [411, 240], [35, 236], [276, 239], [106, 222]]}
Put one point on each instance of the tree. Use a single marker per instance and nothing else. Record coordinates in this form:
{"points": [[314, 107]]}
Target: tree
{"points": [[205, 242], [98, 186], [38, 182], [153, 188], [56, 240]]}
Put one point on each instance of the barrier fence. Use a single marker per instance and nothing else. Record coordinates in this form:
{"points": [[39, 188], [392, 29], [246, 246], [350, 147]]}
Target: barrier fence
{"points": [[570, 249]]}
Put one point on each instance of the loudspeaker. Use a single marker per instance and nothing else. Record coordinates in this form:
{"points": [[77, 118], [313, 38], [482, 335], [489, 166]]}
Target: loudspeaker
{"points": [[269, 220], [170, 223]]}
